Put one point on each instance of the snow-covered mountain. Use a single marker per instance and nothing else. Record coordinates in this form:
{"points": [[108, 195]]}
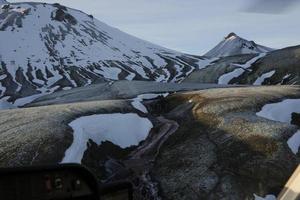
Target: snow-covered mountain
{"points": [[49, 47], [235, 45]]}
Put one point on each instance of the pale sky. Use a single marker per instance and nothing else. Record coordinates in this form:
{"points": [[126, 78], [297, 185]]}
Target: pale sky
{"points": [[196, 26]]}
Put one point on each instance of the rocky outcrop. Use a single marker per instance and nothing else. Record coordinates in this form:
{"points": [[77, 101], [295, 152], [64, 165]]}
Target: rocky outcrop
{"points": [[62, 15]]}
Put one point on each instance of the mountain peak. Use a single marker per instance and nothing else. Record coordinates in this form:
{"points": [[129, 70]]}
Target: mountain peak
{"points": [[231, 35], [235, 45]]}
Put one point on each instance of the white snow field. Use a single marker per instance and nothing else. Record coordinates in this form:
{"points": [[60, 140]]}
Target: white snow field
{"points": [[282, 112], [130, 130], [226, 78], [263, 77], [137, 102]]}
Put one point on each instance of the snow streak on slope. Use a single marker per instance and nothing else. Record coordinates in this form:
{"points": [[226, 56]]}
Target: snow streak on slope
{"points": [[226, 78], [235, 45], [43, 46], [131, 130], [263, 77], [282, 112]]}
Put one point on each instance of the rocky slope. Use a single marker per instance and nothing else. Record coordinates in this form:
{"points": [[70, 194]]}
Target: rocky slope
{"points": [[235, 45], [276, 67], [49, 47], [222, 149]]}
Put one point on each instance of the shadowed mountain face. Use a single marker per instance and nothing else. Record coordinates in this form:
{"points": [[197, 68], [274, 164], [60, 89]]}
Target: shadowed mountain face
{"points": [[45, 48], [235, 45]]}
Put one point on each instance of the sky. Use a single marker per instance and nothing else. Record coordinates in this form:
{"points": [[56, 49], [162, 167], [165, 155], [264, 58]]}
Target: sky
{"points": [[196, 26]]}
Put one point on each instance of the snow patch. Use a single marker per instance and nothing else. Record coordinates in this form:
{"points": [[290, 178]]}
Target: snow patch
{"points": [[263, 77], [206, 62], [4, 104], [294, 142], [226, 78], [130, 130], [137, 102], [282, 112], [249, 63], [109, 72], [285, 78], [268, 197], [26, 100]]}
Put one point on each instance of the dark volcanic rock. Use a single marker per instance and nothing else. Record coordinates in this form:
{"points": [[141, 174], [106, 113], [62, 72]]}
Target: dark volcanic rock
{"points": [[61, 15], [101, 158], [296, 119]]}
